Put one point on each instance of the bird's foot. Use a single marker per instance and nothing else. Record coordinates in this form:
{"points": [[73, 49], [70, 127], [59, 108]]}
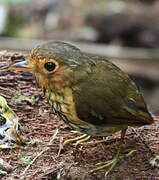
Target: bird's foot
{"points": [[78, 140], [111, 163]]}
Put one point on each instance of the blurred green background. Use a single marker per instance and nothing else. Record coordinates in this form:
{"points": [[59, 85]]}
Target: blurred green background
{"points": [[132, 23]]}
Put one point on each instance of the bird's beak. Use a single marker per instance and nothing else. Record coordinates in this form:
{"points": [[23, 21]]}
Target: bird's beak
{"points": [[20, 66]]}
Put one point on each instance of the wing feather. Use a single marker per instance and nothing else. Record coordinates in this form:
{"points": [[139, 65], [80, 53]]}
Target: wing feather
{"points": [[106, 95]]}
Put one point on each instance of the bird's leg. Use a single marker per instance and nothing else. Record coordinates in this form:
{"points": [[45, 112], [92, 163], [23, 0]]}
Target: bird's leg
{"points": [[112, 163], [78, 140]]}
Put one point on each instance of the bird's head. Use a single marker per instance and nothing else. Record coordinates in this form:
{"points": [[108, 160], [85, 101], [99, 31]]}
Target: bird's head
{"points": [[52, 63]]}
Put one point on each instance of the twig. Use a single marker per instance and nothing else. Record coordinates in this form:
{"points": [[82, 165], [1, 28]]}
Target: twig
{"points": [[143, 141], [60, 147], [4, 89], [41, 152]]}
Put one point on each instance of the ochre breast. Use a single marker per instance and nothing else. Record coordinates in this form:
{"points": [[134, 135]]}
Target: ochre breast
{"points": [[62, 102]]}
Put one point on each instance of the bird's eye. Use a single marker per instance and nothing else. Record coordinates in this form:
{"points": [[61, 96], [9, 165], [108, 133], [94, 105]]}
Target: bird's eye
{"points": [[50, 66]]}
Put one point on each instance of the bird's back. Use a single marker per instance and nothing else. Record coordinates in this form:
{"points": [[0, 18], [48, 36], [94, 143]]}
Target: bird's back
{"points": [[106, 95]]}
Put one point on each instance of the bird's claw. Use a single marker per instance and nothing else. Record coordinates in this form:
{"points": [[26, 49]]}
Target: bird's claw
{"points": [[111, 163], [78, 140]]}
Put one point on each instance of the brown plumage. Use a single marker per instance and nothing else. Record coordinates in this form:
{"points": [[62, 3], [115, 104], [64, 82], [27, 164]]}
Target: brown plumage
{"points": [[88, 92]]}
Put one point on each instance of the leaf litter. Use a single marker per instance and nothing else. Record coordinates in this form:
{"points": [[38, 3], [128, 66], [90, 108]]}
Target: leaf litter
{"points": [[41, 159]]}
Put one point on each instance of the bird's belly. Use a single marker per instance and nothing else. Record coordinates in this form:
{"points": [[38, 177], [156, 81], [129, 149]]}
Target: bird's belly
{"points": [[65, 108], [86, 128], [96, 130]]}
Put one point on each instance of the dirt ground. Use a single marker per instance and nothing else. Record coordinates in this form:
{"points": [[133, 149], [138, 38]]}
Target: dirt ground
{"points": [[68, 162]]}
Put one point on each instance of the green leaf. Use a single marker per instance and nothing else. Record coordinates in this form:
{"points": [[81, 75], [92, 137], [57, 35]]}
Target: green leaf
{"points": [[25, 160], [3, 172], [155, 161]]}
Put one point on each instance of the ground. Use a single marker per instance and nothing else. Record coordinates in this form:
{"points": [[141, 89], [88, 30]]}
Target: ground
{"points": [[69, 162]]}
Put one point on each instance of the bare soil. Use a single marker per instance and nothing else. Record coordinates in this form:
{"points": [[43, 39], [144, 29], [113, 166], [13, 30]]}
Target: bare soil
{"points": [[68, 162]]}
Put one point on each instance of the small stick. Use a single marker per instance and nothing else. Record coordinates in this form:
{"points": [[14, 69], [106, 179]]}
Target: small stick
{"points": [[41, 152], [60, 147], [143, 141]]}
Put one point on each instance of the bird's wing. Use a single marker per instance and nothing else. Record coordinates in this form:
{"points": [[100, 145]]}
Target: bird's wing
{"points": [[106, 95]]}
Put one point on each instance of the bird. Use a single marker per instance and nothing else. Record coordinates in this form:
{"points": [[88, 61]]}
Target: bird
{"points": [[88, 92]]}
